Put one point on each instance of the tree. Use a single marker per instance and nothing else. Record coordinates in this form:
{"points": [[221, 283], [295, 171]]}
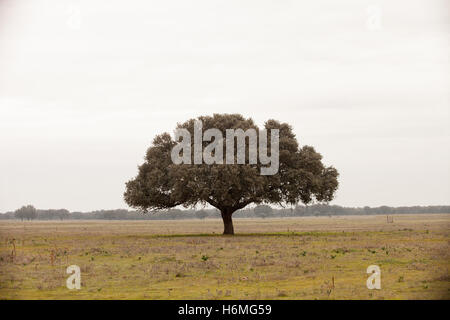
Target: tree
{"points": [[26, 212], [63, 214], [161, 184], [263, 211], [201, 214]]}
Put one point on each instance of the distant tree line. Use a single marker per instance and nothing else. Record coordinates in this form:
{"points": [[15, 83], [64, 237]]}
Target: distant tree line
{"points": [[261, 211]]}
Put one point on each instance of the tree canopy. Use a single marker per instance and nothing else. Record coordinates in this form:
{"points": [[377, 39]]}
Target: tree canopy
{"points": [[26, 212], [263, 210], [161, 184]]}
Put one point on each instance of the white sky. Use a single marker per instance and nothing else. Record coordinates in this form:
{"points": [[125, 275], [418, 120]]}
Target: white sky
{"points": [[86, 85]]}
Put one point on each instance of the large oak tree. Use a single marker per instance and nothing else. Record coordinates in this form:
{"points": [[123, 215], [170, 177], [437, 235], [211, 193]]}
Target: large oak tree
{"points": [[161, 184]]}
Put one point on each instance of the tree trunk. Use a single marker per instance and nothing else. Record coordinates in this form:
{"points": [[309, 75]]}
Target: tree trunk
{"points": [[227, 221]]}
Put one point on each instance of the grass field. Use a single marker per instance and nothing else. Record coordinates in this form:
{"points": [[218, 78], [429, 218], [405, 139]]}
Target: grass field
{"points": [[291, 258]]}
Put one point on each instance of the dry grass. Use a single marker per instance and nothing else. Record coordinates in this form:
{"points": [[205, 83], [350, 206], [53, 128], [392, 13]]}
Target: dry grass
{"points": [[293, 258]]}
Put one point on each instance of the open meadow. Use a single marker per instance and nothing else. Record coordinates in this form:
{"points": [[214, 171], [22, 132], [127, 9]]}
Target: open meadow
{"points": [[283, 258]]}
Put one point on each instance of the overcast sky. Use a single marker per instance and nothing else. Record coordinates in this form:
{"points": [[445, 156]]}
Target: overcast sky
{"points": [[86, 85]]}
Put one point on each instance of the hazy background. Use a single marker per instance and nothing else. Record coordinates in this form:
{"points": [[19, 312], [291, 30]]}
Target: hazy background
{"points": [[86, 85]]}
